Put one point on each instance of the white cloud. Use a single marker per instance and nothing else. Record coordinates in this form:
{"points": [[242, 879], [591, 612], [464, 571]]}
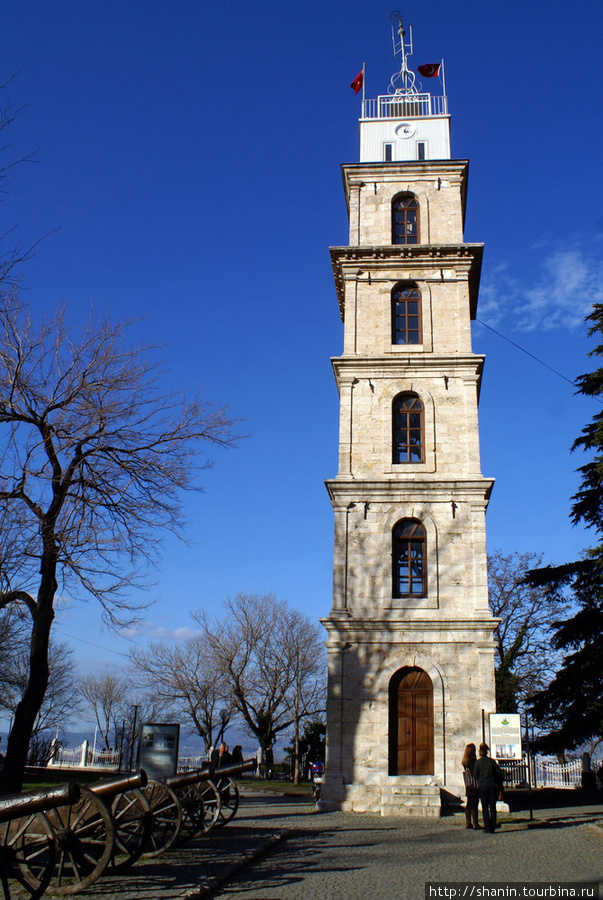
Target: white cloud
{"points": [[151, 631], [566, 284]]}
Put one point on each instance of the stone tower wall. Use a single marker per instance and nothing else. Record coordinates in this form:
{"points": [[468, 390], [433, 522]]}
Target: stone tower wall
{"points": [[447, 631]]}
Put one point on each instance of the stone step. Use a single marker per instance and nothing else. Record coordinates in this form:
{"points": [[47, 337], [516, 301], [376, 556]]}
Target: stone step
{"points": [[411, 800], [410, 812], [412, 790]]}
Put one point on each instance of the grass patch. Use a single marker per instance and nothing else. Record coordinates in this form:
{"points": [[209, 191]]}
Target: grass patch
{"points": [[40, 782], [279, 787]]}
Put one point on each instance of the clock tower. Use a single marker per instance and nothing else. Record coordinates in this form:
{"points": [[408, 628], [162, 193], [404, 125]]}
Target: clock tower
{"points": [[410, 634]]}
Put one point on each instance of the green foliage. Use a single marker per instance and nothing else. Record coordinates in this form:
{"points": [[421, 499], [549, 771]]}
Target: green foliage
{"points": [[507, 682], [523, 634], [571, 707], [314, 737]]}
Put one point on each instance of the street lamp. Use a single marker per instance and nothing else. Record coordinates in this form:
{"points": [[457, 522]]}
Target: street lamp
{"points": [[224, 717], [136, 708]]}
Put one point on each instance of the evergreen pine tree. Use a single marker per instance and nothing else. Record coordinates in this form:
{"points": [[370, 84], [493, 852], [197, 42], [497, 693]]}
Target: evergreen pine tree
{"points": [[571, 707]]}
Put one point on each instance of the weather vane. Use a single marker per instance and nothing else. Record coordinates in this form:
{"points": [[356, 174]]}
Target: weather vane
{"points": [[402, 82]]}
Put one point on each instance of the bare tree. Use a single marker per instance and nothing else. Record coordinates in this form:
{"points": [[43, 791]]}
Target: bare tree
{"points": [[105, 695], [13, 644], [307, 695], [60, 702], [16, 252], [93, 461], [525, 659], [264, 649], [186, 679]]}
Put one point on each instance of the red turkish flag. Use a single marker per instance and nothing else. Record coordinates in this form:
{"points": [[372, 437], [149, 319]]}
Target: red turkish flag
{"points": [[356, 84], [429, 70]]}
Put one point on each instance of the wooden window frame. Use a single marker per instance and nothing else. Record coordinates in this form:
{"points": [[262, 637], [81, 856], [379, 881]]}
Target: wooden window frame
{"points": [[403, 336], [408, 204], [404, 427], [415, 539]]}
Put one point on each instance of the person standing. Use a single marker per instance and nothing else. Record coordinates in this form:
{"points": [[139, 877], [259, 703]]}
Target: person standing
{"points": [[221, 756], [489, 777], [471, 787], [237, 755]]}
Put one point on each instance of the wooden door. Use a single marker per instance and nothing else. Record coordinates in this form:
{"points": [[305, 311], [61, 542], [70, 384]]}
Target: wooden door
{"points": [[411, 723]]}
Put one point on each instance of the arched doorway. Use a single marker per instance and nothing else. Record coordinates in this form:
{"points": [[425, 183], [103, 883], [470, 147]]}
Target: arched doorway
{"points": [[410, 723]]}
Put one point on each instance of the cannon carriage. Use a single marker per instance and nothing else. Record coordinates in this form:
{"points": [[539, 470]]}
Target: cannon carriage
{"points": [[28, 841], [62, 839], [209, 796]]}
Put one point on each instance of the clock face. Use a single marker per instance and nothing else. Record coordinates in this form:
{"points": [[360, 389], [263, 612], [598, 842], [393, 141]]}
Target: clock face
{"points": [[406, 130]]}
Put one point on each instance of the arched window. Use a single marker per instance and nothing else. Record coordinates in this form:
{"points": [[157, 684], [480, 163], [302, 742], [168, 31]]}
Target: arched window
{"points": [[409, 559], [405, 219], [407, 430], [406, 314]]}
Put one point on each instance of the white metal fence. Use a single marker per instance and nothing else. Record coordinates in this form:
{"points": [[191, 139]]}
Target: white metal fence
{"points": [[396, 106], [185, 763], [84, 757], [550, 773], [545, 772]]}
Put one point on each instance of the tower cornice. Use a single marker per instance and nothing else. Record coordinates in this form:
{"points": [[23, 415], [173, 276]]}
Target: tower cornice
{"points": [[356, 173], [363, 630], [346, 490], [393, 262], [392, 366]]}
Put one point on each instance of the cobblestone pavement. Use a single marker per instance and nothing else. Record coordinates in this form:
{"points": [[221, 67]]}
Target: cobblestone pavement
{"points": [[280, 849], [339, 856], [192, 870]]}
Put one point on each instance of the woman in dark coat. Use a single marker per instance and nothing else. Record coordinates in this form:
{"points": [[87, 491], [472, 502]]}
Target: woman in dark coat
{"points": [[489, 777], [471, 807], [237, 755]]}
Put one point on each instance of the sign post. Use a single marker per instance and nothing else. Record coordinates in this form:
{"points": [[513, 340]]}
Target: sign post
{"points": [[505, 736], [529, 767], [158, 749]]}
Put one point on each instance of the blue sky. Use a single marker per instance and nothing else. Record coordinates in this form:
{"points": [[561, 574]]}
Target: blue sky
{"points": [[187, 175]]}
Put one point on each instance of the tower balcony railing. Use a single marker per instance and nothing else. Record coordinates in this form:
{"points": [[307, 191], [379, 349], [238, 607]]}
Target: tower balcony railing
{"points": [[404, 106]]}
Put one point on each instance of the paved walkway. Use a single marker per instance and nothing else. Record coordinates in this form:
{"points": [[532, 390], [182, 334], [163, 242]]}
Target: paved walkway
{"points": [[280, 849]]}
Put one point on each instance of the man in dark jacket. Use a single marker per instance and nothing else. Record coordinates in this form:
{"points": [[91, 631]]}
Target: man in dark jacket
{"points": [[489, 777]]}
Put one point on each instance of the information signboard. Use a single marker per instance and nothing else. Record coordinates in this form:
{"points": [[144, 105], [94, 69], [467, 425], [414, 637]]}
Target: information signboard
{"points": [[505, 736], [158, 749]]}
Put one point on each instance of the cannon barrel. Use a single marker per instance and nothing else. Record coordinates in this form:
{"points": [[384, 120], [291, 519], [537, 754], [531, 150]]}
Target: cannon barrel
{"points": [[14, 805], [109, 787], [236, 769], [183, 779]]}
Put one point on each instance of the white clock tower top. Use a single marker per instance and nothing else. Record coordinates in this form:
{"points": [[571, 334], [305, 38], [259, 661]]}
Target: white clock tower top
{"points": [[405, 124]]}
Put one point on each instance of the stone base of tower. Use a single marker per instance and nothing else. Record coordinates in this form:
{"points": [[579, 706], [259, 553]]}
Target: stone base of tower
{"points": [[399, 798], [368, 721]]}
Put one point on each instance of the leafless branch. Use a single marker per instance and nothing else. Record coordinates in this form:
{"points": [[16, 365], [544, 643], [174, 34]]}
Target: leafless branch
{"points": [[273, 659], [94, 460]]}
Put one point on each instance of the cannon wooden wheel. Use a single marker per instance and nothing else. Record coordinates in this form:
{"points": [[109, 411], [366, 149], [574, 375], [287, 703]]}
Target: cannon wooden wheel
{"points": [[27, 856], [229, 801], [85, 836], [193, 811], [133, 822], [167, 817], [212, 803]]}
